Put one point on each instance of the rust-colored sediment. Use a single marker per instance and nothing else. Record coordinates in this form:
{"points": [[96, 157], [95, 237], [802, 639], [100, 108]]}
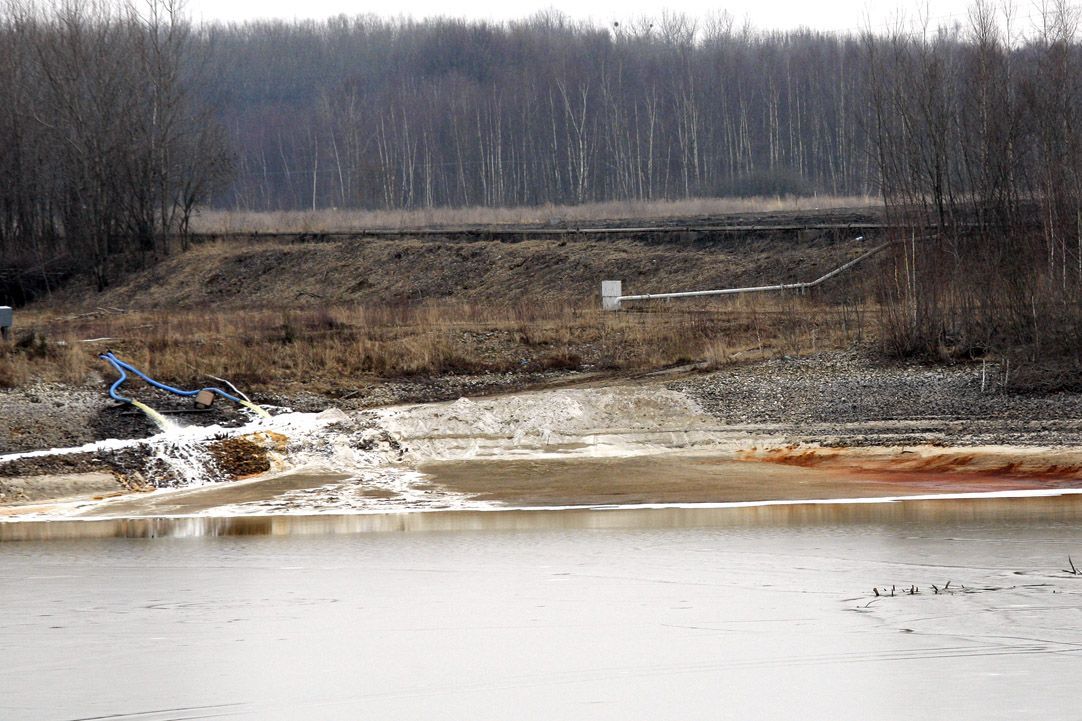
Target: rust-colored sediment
{"points": [[930, 464], [785, 473], [240, 457]]}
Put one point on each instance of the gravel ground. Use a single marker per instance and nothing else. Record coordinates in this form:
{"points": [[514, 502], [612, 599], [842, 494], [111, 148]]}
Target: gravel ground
{"points": [[851, 399], [55, 416], [47, 416], [414, 390], [835, 399]]}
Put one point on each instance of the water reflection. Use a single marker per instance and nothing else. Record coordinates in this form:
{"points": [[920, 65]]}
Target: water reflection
{"points": [[1040, 509], [756, 613]]}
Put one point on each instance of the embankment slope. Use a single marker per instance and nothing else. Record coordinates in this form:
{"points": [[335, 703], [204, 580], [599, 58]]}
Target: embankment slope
{"points": [[247, 272]]}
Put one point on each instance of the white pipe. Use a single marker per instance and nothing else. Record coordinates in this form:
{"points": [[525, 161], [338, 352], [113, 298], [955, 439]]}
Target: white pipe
{"points": [[846, 266], [233, 387], [756, 289]]}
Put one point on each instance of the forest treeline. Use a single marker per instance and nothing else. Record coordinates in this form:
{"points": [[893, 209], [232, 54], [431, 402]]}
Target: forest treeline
{"points": [[371, 113], [106, 144], [118, 120], [978, 143]]}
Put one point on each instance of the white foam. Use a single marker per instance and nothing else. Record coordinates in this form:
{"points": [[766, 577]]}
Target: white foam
{"points": [[183, 448]]}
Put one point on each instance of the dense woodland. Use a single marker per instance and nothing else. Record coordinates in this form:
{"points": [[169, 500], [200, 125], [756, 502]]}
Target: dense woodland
{"points": [[370, 113], [116, 121], [106, 143]]}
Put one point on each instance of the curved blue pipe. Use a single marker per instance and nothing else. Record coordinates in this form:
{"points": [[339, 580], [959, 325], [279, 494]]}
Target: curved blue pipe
{"points": [[119, 381], [121, 366]]}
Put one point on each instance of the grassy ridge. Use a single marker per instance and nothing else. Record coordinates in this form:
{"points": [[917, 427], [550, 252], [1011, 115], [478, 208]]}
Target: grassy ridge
{"points": [[333, 219], [328, 350]]}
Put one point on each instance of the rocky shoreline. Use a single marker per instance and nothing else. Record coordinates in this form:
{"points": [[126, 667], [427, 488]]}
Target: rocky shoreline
{"points": [[852, 399], [50, 415], [53, 416], [827, 400]]}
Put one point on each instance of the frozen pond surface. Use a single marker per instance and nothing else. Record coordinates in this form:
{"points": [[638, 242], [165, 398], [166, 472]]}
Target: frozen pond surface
{"points": [[742, 621]]}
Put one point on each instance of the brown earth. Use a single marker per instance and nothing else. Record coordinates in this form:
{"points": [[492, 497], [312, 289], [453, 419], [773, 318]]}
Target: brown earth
{"points": [[239, 457], [360, 321], [721, 478], [28, 489], [295, 271]]}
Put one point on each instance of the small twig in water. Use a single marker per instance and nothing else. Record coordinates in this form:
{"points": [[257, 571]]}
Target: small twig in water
{"points": [[1074, 571]]}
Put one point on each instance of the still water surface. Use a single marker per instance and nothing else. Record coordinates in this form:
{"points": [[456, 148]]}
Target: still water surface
{"points": [[739, 621]]}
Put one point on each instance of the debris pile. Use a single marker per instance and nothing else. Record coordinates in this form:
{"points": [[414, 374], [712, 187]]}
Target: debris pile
{"points": [[239, 458]]}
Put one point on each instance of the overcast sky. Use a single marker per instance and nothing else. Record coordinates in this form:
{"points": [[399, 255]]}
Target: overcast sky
{"points": [[763, 14]]}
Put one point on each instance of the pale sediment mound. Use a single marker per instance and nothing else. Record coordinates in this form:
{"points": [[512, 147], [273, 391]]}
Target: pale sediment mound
{"points": [[618, 420]]}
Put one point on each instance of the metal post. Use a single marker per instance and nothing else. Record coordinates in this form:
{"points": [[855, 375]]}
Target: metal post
{"points": [[5, 322]]}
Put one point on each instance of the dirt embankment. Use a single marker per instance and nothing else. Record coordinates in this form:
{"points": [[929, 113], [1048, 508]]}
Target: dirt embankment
{"points": [[249, 272], [472, 350]]}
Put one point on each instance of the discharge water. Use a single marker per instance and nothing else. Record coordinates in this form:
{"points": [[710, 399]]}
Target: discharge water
{"points": [[166, 425], [773, 616]]}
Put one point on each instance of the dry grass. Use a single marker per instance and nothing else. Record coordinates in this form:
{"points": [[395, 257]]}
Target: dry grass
{"points": [[33, 356], [331, 350], [334, 220]]}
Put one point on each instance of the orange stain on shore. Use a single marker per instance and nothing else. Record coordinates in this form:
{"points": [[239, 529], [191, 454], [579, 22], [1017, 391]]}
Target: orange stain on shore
{"points": [[992, 469]]}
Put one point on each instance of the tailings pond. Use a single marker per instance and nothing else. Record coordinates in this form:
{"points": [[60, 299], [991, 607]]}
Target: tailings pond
{"points": [[760, 612]]}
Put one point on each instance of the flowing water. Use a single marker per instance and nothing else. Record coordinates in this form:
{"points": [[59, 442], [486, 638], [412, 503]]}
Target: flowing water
{"points": [[761, 612], [258, 410], [166, 425]]}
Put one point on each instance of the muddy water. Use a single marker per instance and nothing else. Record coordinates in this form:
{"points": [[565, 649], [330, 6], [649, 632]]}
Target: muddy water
{"points": [[767, 614], [696, 478], [484, 484]]}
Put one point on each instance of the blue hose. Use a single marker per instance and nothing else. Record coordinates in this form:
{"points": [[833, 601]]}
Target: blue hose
{"points": [[119, 381], [121, 367]]}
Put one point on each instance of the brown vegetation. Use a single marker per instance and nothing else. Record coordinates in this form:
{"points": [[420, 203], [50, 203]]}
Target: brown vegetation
{"points": [[335, 220], [329, 316], [287, 275], [331, 350], [979, 149]]}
